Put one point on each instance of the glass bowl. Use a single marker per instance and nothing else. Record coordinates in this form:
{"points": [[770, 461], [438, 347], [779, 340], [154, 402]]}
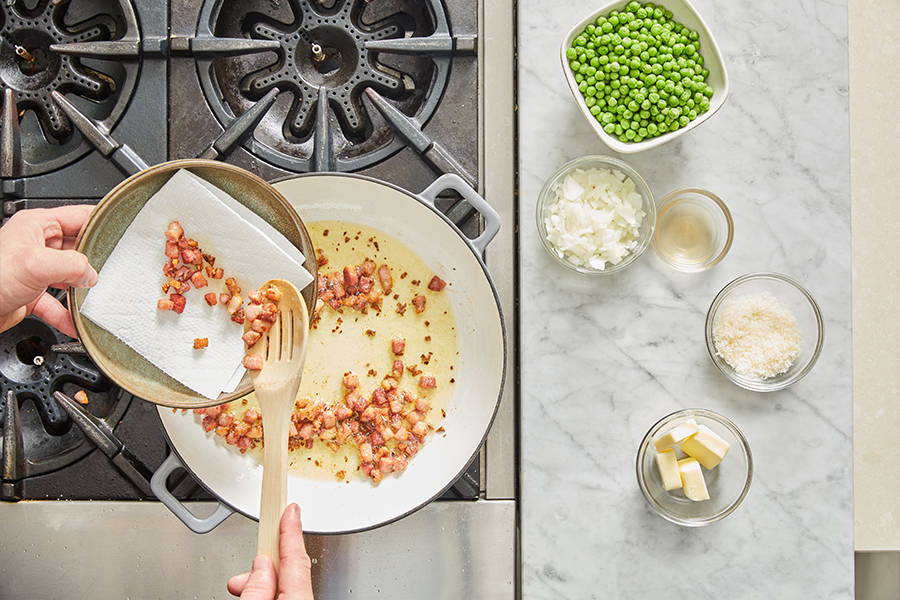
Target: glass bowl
{"points": [[680, 243], [809, 321], [598, 162], [728, 483]]}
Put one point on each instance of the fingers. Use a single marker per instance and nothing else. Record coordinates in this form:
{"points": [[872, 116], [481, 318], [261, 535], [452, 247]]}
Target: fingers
{"points": [[12, 318], [62, 222], [70, 219], [49, 310], [262, 583], [295, 579], [237, 584], [48, 266]]}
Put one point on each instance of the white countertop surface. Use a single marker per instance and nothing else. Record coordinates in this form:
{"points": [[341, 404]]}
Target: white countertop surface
{"points": [[603, 359]]}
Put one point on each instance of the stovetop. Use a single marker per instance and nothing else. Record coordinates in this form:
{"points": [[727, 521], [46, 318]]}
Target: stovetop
{"points": [[386, 88]]}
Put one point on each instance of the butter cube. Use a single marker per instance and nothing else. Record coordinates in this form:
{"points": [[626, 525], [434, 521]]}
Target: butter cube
{"points": [[676, 435], [692, 479], [706, 446], [667, 464]]}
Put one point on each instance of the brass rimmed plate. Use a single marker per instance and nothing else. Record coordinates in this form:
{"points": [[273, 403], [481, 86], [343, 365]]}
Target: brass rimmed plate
{"points": [[105, 228]]}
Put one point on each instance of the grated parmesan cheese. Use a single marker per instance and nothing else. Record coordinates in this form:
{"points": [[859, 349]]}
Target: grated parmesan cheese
{"points": [[594, 218], [756, 335]]}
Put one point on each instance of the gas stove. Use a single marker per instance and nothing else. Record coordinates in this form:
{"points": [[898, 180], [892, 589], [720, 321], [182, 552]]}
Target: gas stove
{"points": [[400, 90]]}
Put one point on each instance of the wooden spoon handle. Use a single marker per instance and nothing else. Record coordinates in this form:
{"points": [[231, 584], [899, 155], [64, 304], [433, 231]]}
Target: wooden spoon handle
{"points": [[276, 422]]}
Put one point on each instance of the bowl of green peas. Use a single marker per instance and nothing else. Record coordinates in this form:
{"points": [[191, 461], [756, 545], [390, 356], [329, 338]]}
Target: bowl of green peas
{"points": [[644, 73]]}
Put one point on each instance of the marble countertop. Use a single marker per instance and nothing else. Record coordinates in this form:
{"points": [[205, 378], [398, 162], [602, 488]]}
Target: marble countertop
{"points": [[603, 359]]}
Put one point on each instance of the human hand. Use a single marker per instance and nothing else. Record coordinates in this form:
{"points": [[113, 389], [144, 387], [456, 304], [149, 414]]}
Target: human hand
{"points": [[36, 253], [293, 581]]}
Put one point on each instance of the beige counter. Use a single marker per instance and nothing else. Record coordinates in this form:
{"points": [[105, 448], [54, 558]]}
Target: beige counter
{"points": [[875, 187]]}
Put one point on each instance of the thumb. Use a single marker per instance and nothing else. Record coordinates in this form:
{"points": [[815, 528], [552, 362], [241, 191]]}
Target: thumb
{"points": [[262, 583], [48, 266]]}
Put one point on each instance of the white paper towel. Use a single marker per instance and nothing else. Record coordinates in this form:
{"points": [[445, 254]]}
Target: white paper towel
{"points": [[124, 300]]}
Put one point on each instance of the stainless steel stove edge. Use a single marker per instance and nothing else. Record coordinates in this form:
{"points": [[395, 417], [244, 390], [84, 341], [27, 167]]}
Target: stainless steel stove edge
{"points": [[470, 553]]}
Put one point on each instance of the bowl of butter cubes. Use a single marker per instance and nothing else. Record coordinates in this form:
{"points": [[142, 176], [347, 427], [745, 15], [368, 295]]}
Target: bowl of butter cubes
{"points": [[694, 467]]}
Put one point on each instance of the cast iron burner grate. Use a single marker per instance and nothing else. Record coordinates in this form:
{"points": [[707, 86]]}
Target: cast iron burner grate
{"points": [[75, 48], [319, 57], [43, 439]]}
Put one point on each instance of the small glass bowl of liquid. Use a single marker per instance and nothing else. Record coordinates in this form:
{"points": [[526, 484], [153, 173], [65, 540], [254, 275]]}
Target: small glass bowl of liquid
{"points": [[694, 230]]}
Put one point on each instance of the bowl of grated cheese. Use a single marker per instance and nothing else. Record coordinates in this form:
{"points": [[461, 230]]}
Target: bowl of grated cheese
{"points": [[596, 215], [764, 331]]}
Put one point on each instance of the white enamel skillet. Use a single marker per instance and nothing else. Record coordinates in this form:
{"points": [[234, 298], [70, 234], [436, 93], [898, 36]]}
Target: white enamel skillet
{"points": [[331, 507]]}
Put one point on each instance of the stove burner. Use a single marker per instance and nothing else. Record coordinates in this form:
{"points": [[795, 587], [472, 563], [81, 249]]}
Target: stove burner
{"points": [[39, 55], [324, 52], [325, 55], [32, 371]]}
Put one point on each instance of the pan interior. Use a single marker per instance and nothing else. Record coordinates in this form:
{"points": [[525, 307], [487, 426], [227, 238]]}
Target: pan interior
{"points": [[334, 506]]}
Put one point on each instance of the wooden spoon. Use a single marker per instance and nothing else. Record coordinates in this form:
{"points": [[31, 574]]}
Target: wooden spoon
{"points": [[282, 350]]}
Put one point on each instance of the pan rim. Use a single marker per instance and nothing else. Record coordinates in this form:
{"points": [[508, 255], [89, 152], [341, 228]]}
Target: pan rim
{"points": [[490, 423]]}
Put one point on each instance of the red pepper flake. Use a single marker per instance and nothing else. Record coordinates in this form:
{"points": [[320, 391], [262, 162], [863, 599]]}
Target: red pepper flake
{"points": [[370, 332], [325, 233], [211, 299], [200, 343], [427, 338], [81, 397], [436, 284], [372, 373]]}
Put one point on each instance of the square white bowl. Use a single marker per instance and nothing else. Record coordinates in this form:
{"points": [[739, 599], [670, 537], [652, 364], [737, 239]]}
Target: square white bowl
{"points": [[685, 13]]}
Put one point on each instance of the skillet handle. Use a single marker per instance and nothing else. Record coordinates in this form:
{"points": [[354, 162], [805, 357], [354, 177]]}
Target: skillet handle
{"points": [[193, 522], [457, 184]]}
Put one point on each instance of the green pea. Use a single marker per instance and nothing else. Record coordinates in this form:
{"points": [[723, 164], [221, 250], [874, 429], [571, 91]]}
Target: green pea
{"points": [[645, 105], [590, 45], [604, 59], [609, 128], [692, 114], [590, 71], [683, 121], [629, 134], [590, 29], [673, 100], [634, 125], [582, 86], [579, 41], [612, 101], [571, 54], [619, 129], [575, 65], [653, 97], [606, 27], [583, 69], [590, 101], [627, 114], [652, 129], [591, 80], [642, 131]]}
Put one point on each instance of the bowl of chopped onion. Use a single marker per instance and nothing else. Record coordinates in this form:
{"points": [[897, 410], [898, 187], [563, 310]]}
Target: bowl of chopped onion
{"points": [[764, 331], [596, 215]]}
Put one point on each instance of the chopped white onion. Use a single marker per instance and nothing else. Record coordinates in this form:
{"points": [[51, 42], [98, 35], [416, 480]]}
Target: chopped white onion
{"points": [[594, 217]]}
